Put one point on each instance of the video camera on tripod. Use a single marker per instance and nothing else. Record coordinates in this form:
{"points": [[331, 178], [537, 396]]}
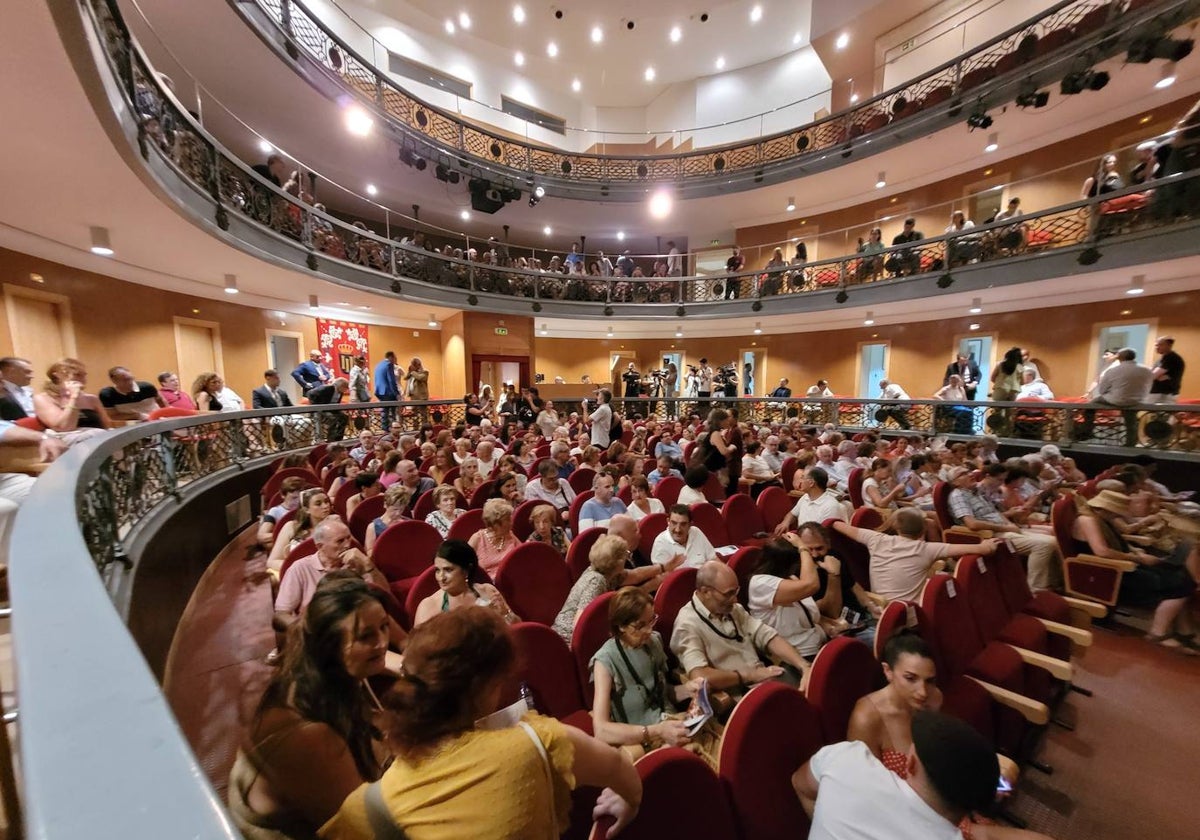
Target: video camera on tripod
{"points": [[725, 379]]}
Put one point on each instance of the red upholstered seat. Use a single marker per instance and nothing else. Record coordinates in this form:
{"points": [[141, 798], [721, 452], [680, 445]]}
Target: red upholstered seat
{"points": [[286, 518], [667, 490], [787, 472], [576, 506], [317, 453], [545, 664], [854, 483], [675, 591], [743, 562], [342, 496], [1085, 575], [1014, 587], [467, 523], [277, 478], [481, 494], [424, 506], [649, 527], [772, 732], [577, 555], [842, 672], [534, 580], [303, 548], [855, 557], [712, 489], [774, 504], [521, 525], [582, 479], [708, 519], [867, 517], [742, 520], [424, 586], [896, 616], [671, 776], [404, 550], [941, 504], [625, 494], [367, 512], [591, 632]]}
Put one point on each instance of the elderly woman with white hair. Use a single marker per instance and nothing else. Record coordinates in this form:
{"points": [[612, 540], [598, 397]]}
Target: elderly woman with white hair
{"points": [[607, 569], [469, 478], [496, 538]]}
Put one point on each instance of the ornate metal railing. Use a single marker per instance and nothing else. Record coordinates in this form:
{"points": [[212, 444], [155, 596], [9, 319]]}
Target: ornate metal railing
{"points": [[1167, 427], [1041, 50]]}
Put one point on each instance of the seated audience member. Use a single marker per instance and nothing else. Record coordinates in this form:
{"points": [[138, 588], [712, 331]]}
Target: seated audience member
{"points": [[485, 455], [755, 470], [880, 489], [781, 595], [951, 771], [312, 740], [16, 395], [496, 538], [717, 639], [544, 519], [368, 485], [771, 453], [901, 562], [62, 406], [338, 455], [443, 462], [505, 486], [603, 506], [680, 539], [366, 446], [345, 473], [396, 500], [664, 468], [411, 478], [15, 487], [839, 470], [971, 508], [446, 509], [469, 479], [694, 480], [206, 390], [127, 398], [642, 503], [454, 778], [1033, 387], [289, 490], [552, 489], [314, 508], [633, 697], [335, 550], [389, 473], [605, 572], [816, 503], [560, 456], [460, 584], [639, 571], [1159, 581], [462, 450], [667, 446], [168, 389]]}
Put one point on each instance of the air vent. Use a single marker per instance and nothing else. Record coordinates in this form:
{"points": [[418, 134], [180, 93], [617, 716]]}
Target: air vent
{"points": [[418, 72], [530, 114]]}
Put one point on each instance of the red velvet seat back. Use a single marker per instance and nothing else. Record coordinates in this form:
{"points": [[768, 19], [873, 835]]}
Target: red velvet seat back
{"points": [[1062, 519], [743, 562], [582, 479], [941, 504], [894, 618], [545, 664], [842, 672], [772, 732], [481, 494], [950, 631], [424, 586], [713, 490], [707, 518], [855, 557], [424, 506], [774, 504], [591, 632], [667, 490], [681, 797], [742, 519], [342, 496], [578, 554], [867, 517], [317, 453], [787, 472], [576, 506], [534, 580], [977, 583], [649, 527], [854, 483], [467, 523], [405, 549], [676, 590], [303, 548], [276, 479], [367, 512]]}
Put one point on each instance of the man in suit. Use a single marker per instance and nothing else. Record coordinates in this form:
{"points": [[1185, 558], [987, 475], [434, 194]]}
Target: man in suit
{"points": [[334, 422], [271, 395], [16, 397], [313, 373], [387, 389], [968, 370]]}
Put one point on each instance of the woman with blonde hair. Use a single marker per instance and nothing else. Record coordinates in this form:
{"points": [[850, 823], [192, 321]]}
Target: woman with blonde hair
{"points": [[205, 388], [496, 538], [64, 407], [605, 570], [395, 500], [469, 478]]}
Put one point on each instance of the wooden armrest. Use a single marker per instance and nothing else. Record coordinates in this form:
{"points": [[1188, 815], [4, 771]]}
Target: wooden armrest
{"points": [[1036, 713], [1058, 668], [967, 532], [1091, 609], [1078, 635], [1095, 560], [22, 458]]}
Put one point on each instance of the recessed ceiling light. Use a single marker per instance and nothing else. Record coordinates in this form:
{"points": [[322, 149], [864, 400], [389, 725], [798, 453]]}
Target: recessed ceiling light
{"points": [[519, 13], [101, 245], [610, 332], [974, 327], [358, 121], [853, 98], [1168, 76], [547, 230], [679, 332], [620, 236], [313, 303], [576, 85], [791, 205], [660, 204], [720, 62], [842, 41], [1126, 311], [371, 189], [450, 27], [1145, 119], [597, 34], [649, 74], [544, 331], [993, 142], [869, 321], [1136, 285], [433, 321], [552, 49], [265, 147], [976, 306], [231, 287], [881, 181], [756, 14], [464, 215], [464, 20], [519, 58], [758, 328], [676, 34]]}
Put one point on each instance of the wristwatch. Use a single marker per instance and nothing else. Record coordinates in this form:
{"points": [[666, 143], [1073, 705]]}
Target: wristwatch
{"points": [[646, 744]]}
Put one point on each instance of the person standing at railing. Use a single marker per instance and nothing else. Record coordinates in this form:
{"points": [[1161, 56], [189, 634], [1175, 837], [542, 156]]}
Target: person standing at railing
{"points": [[967, 371], [1006, 376], [1168, 372], [733, 265], [331, 394], [1126, 385], [313, 373], [386, 387], [906, 260], [633, 382], [893, 393]]}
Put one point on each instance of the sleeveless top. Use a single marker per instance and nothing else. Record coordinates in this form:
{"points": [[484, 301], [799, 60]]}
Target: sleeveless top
{"points": [[713, 460], [89, 418]]}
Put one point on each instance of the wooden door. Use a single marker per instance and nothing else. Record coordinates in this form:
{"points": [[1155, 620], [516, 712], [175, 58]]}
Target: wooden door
{"points": [[197, 348], [41, 326]]}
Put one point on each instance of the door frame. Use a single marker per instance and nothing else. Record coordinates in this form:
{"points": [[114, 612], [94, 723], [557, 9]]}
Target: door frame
{"points": [[759, 371], [296, 334], [1094, 348], [887, 356], [218, 354], [66, 326], [477, 361], [986, 385]]}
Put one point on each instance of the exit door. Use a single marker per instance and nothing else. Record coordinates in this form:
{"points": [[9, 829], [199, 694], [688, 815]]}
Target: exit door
{"points": [[872, 367]]}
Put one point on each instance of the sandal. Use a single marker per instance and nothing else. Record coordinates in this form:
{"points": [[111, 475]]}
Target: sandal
{"points": [[1188, 640]]}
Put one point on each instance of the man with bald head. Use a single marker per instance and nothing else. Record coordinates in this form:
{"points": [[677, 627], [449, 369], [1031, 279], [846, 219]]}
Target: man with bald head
{"points": [[717, 639], [638, 570], [411, 478], [335, 550]]}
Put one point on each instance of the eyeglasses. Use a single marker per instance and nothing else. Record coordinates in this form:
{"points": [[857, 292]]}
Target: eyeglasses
{"points": [[641, 626], [728, 593]]}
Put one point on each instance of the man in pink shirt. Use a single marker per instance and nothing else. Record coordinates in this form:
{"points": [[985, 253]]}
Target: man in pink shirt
{"points": [[335, 550]]}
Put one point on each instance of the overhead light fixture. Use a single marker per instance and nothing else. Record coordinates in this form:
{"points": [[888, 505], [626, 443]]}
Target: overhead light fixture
{"points": [[519, 58], [720, 62], [536, 195], [576, 85], [649, 74], [1028, 96], [519, 13], [679, 332], [620, 236], [1168, 76], [675, 35], [543, 330], [101, 244], [660, 204], [973, 327], [597, 34], [979, 117], [1146, 49], [756, 14], [547, 230], [432, 320], [869, 321], [1137, 285], [464, 215], [881, 181], [1082, 80], [371, 190], [464, 20], [313, 303], [450, 27], [853, 98], [265, 147], [758, 327], [231, 284], [444, 173], [993, 142], [610, 332], [976, 306], [410, 158], [791, 205], [842, 41], [552, 50], [358, 121]]}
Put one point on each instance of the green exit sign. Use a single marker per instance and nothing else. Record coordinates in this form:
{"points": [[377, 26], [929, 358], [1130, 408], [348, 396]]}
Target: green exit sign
{"points": [[714, 242], [501, 330]]}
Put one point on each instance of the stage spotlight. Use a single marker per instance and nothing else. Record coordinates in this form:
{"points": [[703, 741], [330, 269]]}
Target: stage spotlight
{"points": [[536, 195], [1145, 50], [979, 117], [1088, 256], [945, 281], [410, 158], [1074, 83], [841, 296], [445, 173]]}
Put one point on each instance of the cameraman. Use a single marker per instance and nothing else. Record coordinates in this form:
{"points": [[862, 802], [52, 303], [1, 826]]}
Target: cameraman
{"points": [[633, 382]]}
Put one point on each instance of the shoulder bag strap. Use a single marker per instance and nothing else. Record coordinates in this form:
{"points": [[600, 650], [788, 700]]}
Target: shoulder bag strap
{"points": [[383, 827], [541, 748]]}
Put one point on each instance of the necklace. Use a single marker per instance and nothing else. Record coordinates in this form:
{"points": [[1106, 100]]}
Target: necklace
{"points": [[496, 544]]}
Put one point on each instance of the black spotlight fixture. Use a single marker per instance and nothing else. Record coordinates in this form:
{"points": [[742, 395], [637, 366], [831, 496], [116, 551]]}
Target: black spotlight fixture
{"points": [[396, 287], [841, 296], [444, 173], [1082, 80], [537, 306], [536, 195], [847, 150], [979, 117], [608, 311], [1145, 50], [1089, 255], [945, 281], [680, 311], [410, 158], [473, 300], [756, 306], [1036, 99]]}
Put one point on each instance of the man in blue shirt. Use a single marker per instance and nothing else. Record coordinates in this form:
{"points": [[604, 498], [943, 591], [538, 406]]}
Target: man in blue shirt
{"points": [[386, 387], [667, 446], [313, 373], [598, 510], [663, 470], [573, 258]]}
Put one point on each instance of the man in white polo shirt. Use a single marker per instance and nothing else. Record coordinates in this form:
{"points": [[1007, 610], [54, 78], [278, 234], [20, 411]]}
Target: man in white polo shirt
{"points": [[681, 538], [816, 505]]}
